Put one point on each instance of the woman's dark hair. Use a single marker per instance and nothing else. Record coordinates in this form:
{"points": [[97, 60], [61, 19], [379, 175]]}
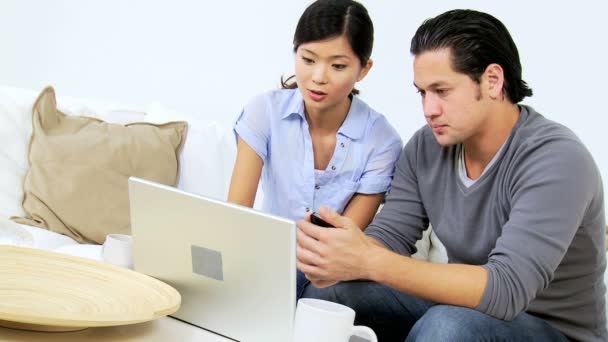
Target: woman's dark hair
{"points": [[326, 19], [476, 40]]}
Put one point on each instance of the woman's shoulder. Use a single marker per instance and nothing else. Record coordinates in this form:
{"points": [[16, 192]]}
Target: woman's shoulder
{"points": [[276, 100], [378, 124]]}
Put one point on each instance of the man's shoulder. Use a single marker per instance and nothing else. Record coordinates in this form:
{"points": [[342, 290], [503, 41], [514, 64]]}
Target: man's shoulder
{"points": [[538, 133], [537, 126], [541, 146]]}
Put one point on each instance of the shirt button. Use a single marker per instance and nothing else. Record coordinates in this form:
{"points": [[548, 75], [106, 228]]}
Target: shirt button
{"points": [[317, 187], [333, 168], [342, 145], [307, 209]]}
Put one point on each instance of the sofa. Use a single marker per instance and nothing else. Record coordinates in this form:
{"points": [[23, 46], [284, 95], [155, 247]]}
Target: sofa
{"points": [[205, 165], [208, 175]]}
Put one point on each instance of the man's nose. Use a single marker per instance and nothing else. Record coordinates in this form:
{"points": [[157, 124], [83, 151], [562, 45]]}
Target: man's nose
{"points": [[431, 106]]}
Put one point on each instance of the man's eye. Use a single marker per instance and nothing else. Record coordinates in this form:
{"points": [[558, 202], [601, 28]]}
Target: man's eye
{"points": [[421, 92], [307, 60], [441, 91], [339, 66]]}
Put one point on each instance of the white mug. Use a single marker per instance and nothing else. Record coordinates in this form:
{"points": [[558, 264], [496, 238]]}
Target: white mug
{"points": [[322, 321], [118, 250]]}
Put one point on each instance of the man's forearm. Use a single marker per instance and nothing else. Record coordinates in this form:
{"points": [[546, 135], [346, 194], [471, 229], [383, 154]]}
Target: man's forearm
{"points": [[454, 284]]}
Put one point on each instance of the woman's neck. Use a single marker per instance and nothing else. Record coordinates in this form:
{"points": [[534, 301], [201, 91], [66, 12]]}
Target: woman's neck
{"points": [[327, 121]]}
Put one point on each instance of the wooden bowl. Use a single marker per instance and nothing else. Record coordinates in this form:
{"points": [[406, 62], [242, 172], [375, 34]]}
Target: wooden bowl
{"points": [[48, 291]]}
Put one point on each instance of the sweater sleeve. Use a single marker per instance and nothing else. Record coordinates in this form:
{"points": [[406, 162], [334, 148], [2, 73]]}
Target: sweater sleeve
{"points": [[551, 186], [403, 218]]}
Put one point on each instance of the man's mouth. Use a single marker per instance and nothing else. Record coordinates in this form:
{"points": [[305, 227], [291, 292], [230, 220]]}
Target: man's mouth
{"points": [[438, 128]]}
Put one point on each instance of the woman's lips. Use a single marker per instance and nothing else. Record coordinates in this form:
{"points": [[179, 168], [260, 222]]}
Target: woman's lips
{"points": [[316, 95]]}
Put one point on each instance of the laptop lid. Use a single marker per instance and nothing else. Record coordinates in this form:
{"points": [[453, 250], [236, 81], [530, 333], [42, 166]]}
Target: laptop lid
{"points": [[233, 266]]}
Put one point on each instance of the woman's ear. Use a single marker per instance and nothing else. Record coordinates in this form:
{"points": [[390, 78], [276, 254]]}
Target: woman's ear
{"points": [[365, 69], [495, 78]]}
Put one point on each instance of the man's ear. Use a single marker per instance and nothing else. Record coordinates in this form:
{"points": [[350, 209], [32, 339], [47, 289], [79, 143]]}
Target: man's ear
{"points": [[495, 78], [365, 69]]}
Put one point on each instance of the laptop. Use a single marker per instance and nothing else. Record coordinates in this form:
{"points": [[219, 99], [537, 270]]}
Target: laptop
{"points": [[234, 266]]}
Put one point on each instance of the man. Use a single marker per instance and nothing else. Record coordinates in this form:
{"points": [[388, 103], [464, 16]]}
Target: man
{"points": [[516, 198]]}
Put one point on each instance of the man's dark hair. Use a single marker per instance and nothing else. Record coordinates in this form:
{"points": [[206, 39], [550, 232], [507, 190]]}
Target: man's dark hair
{"points": [[475, 40]]}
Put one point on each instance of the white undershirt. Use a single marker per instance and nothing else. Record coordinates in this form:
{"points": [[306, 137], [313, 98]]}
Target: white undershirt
{"points": [[462, 169]]}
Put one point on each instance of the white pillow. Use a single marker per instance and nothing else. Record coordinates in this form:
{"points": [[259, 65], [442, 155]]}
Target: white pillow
{"points": [[109, 112], [430, 248], [14, 234], [207, 159], [15, 132], [46, 239], [208, 154], [82, 250], [437, 252], [422, 246]]}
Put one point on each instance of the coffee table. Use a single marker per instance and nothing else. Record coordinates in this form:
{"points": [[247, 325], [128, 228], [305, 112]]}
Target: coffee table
{"points": [[161, 330]]}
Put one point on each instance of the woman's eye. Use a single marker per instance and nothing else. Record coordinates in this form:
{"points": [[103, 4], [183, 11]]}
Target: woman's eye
{"points": [[339, 66], [307, 60]]}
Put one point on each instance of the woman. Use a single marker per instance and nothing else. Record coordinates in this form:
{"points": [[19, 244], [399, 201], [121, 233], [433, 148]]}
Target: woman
{"points": [[314, 142]]}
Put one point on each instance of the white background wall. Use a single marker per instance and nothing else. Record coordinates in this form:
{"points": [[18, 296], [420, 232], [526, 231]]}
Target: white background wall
{"points": [[208, 58]]}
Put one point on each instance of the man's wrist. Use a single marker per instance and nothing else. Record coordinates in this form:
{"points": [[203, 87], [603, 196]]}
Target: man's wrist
{"points": [[372, 262]]}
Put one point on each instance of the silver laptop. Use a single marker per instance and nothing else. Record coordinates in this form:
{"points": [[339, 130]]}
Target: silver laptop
{"points": [[233, 266]]}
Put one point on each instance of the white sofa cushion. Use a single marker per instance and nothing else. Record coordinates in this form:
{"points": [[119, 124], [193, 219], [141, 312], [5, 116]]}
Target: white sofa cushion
{"points": [[15, 130], [13, 234], [94, 252], [208, 155], [207, 159]]}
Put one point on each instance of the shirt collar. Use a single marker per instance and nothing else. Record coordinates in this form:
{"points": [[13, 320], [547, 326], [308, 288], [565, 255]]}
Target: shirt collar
{"points": [[354, 125], [295, 106]]}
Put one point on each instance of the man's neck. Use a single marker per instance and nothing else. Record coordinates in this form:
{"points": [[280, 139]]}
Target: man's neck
{"points": [[481, 148]]}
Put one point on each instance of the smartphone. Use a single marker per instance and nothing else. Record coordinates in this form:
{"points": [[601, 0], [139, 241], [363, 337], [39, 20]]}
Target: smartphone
{"points": [[316, 219]]}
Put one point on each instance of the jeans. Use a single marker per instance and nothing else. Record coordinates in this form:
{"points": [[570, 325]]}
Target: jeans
{"points": [[397, 316], [301, 284]]}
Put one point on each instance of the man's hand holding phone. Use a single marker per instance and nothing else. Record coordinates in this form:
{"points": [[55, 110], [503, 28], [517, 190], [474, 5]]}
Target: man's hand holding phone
{"points": [[338, 254], [315, 218]]}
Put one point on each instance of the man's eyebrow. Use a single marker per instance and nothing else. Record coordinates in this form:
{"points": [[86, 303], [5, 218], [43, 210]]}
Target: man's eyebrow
{"points": [[432, 85]]}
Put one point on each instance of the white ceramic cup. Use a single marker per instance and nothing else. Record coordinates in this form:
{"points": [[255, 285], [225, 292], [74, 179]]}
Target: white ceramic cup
{"points": [[118, 250], [322, 321]]}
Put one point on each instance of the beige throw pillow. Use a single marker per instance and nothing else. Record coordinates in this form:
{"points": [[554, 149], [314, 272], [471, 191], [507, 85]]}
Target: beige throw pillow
{"points": [[76, 184]]}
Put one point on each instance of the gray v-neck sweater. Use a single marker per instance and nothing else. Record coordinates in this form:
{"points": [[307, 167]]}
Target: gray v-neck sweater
{"points": [[534, 220]]}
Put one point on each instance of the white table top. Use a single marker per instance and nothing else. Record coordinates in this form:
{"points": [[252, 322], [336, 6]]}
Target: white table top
{"points": [[162, 329]]}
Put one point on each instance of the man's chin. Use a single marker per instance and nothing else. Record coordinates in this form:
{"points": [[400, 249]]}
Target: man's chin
{"points": [[445, 141]]}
